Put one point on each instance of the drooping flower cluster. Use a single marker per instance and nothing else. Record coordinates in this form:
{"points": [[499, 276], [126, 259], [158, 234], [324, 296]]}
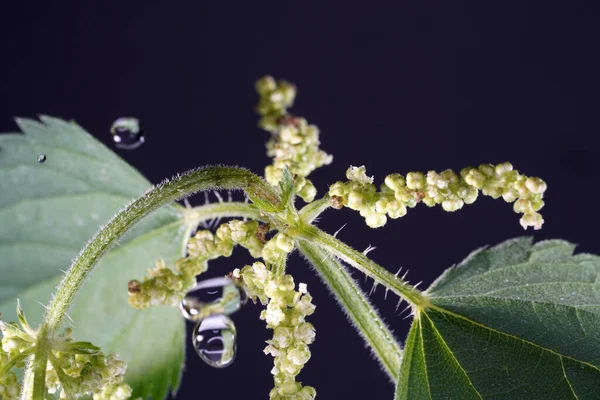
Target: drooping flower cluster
{"points": [[285, 313], [447, 188], [165, 286], [294, 143], [74, 369]]}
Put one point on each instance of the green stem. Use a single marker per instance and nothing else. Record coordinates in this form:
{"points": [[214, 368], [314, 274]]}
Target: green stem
{"points": [[261, 194], [27, 390], [63, 378], [357, 307], [279, 267], [37, 377], [312, 210], [194, 216], [361, 262]]}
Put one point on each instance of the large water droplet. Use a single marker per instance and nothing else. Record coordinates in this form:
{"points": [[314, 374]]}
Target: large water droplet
{"points": [[211, 297], [127, 133], [214, 340], [41, 158]]}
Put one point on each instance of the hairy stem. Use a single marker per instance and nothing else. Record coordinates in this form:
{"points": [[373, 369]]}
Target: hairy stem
{"points": [[37, 376], [357, 307], [184, 185], [279, 267], [314, 209], [361, 262], [194, 216]]}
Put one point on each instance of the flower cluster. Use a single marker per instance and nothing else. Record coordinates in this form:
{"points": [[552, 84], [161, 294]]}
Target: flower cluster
{"points": [[285, 313], [294, 143], [86, 371], [447, 188], [13, 345], [74, 369], [165, 286]]}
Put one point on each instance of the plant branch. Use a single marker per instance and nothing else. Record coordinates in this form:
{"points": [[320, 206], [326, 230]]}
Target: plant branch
{"points": [[361, 262], [312, 210], [194, 216], [279, 267], [357, 307]]}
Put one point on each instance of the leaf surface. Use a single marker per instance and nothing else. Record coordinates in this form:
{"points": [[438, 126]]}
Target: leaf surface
{"points": [[516, 321], [47, 213]]}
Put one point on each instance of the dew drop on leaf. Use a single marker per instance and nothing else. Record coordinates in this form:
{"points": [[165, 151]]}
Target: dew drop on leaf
{"points": [[214, 340], [41, 158], [213, 296], [127, 133]]}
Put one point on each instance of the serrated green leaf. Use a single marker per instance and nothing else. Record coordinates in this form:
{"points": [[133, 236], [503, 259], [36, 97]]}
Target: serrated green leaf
{"points": [[286, 185], [517, 321], [47, 213]]}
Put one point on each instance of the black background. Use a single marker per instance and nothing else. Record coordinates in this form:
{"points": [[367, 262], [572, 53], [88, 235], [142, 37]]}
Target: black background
{"points": [[415, 86]]}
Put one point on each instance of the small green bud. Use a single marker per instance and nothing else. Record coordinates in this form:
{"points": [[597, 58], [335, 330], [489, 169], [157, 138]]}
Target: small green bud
{"points": [[298, 354], [284, 242], [510, 195], [358, 174], [396, 209], [449, 177], [492, 191], [381, 205], [522, 206], [503, 168], [537, 204], [487, 169], [308, 192], [395, 181], [375, 219], [355, 200], [475, 178], [415, 180], [452, 205], [338, 189], [471, 195], [535, 185], [465, 171], [532, 219]]}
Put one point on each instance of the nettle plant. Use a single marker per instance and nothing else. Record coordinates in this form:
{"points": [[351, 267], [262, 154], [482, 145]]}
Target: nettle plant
{"points": [[518, 320]]}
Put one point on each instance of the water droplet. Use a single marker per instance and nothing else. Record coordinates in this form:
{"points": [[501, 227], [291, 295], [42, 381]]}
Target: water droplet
{"points": [[41, 158], [214, 340], [127, 133], [211, 297]]}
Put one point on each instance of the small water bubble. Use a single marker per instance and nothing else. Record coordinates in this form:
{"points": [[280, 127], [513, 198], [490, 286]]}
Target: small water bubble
{"points": [[212, 296], [215, 341], [127, 133], [41, 158]]}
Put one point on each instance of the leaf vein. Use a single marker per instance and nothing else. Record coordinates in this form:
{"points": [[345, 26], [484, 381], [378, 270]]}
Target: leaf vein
{"points": [[459, 316], [451, 353]]}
